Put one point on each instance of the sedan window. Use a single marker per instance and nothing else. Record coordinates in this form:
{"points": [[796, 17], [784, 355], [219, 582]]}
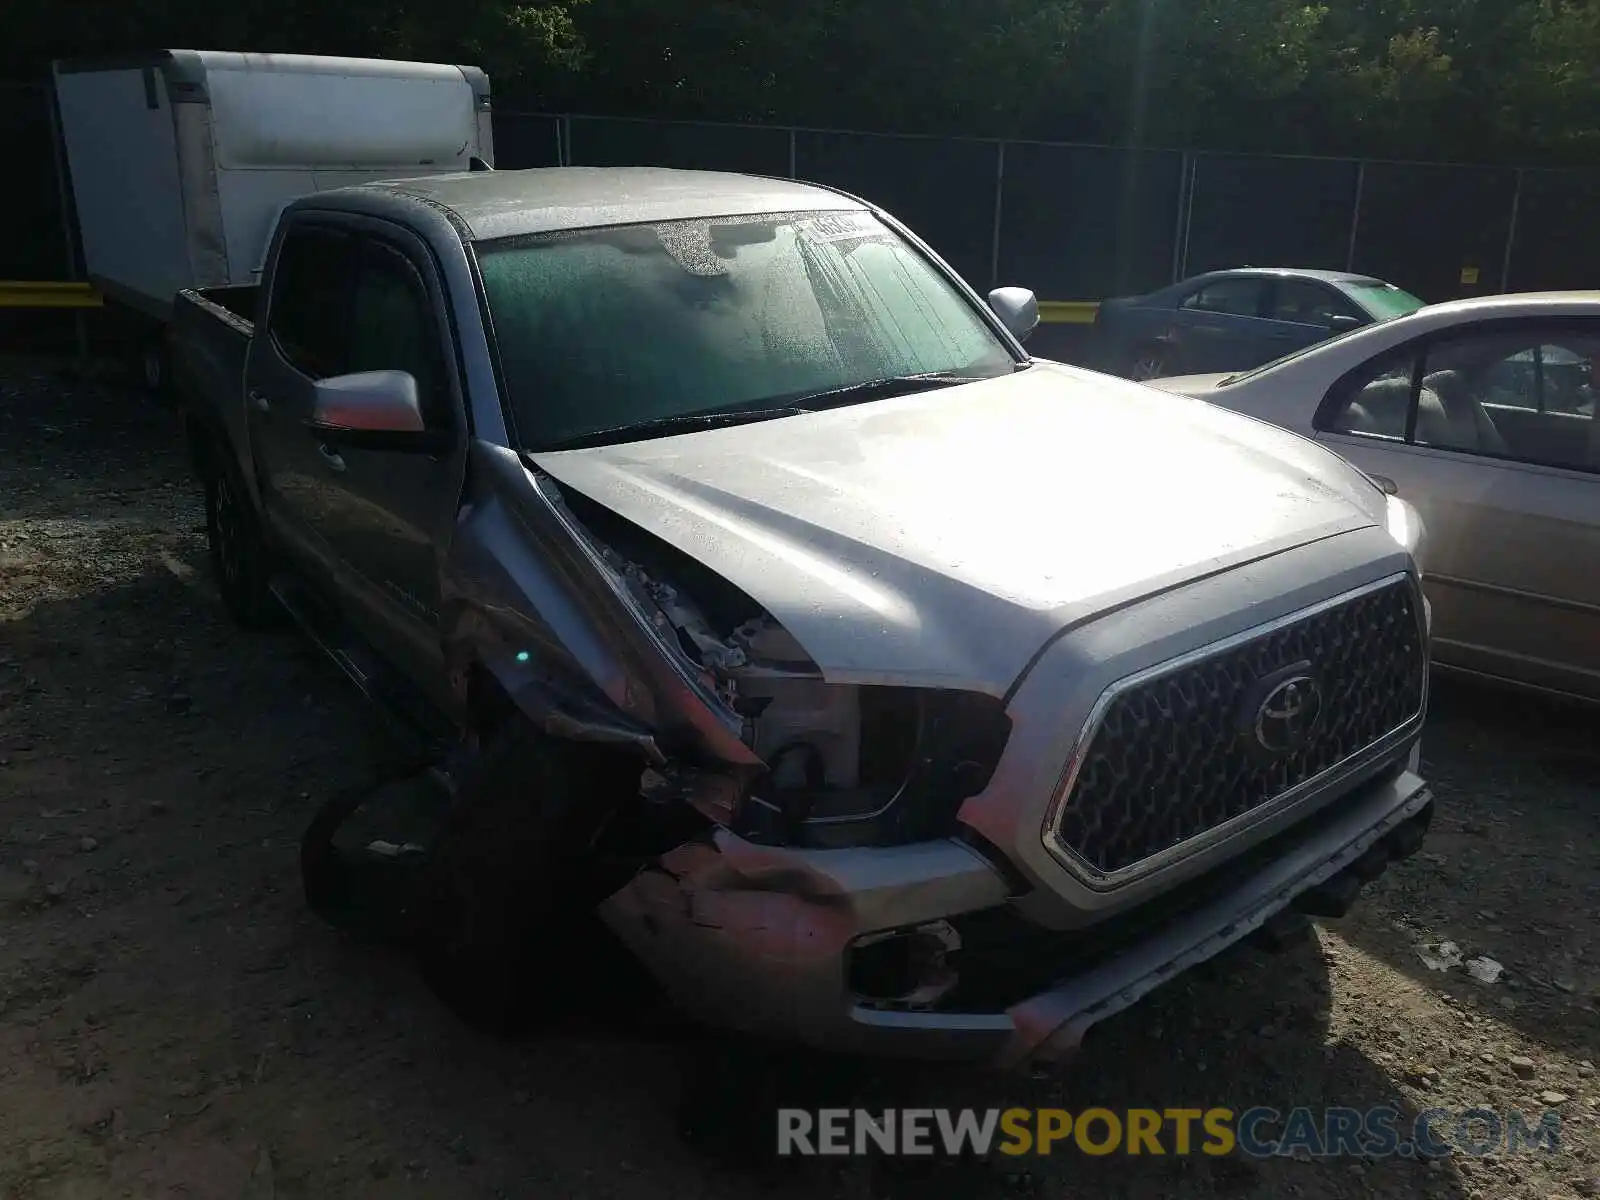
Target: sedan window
{"points": [[1521, 392], [1553, 377], [1306, 303], [1375, 401], [1234, 297]]}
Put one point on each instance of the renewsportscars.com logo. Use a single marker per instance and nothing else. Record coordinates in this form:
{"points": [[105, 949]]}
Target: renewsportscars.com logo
{"points": [[1259, 1132]]}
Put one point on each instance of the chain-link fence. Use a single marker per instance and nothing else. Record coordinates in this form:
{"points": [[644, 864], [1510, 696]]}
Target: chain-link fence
{"points": [[1072, 222], [35, 240]]}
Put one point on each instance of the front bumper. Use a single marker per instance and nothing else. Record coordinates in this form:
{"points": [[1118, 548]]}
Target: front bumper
{"points": [[761, 940]]}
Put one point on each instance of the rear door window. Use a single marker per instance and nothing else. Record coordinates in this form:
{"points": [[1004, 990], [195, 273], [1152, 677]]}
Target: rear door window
{"points": [[1375, 401], [1234, 297], [307, 316]]}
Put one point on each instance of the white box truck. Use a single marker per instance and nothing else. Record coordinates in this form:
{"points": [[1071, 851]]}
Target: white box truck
{"points": [[180, 161]]}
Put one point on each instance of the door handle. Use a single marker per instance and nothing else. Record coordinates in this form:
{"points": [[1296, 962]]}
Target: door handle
{"points": [[258, 400], [330, 456]]}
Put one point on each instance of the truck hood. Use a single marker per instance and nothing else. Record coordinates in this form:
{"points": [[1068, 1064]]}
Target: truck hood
{"points": [[940, 539]]}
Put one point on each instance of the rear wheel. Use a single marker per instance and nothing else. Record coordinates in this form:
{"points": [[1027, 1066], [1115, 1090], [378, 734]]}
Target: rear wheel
{"points": [[239, 559], [153, 365], [1150, 361]]}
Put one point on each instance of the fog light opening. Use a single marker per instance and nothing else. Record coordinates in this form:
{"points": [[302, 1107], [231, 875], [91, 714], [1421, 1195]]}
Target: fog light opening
{"points": [[904, 968]]}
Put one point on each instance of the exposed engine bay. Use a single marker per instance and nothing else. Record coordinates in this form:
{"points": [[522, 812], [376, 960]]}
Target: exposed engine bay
{"points": [[846, 764]]}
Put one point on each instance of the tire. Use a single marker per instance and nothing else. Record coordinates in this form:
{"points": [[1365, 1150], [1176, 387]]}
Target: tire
{"points": [[155, 375], [1150, 361], [240, 562], [505, 927]]}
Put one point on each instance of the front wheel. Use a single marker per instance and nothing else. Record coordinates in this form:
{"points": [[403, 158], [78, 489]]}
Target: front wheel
{"points": [[1152, 361], [239, 558], [505, 921]]}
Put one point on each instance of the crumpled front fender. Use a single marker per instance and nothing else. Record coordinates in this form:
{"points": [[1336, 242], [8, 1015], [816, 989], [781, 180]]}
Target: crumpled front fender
{"points": [[524, 596]]}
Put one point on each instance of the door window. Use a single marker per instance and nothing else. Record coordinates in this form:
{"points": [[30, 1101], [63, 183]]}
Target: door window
{"points": [[392, 328], [1375, 400], [1306, 303], [1519, 391], [1565, 374], [1231, 297], [306, 317]]}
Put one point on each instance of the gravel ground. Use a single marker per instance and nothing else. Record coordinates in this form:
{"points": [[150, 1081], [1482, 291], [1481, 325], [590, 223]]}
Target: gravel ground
{"points": [[172, 1021]]}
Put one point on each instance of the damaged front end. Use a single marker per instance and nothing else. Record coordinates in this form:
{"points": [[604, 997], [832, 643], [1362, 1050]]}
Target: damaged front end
{"points": [[839, 765], [780, 817]]}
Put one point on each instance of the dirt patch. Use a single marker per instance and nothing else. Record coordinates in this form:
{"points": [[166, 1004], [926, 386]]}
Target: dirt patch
{"points": [[173, 1021]]}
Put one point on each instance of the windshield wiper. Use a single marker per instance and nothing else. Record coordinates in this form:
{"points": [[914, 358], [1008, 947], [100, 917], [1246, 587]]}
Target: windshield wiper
{"points": [[882, 389], [638, 431], [793, 406]]}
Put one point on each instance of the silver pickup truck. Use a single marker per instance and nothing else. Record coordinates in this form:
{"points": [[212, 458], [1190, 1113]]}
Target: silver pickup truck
{"points": [[874, 684]]}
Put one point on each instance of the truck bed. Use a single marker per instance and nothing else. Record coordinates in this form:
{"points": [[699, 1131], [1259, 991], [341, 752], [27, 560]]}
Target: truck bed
{"points": [[208, 341], [238, 299]]}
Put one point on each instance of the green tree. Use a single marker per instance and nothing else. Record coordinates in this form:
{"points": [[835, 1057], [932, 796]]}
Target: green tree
{"points": [[1555, 101], [509, 39], [1481, 80]]}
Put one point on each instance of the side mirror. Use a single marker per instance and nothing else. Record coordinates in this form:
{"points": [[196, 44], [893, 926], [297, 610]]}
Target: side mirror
{"points": [[374, 410], [381, 401], [1017, 308], [1343, 322]]}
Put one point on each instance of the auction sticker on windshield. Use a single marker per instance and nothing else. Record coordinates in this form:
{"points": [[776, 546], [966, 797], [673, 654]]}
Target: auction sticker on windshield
{"points": [[840, 227]]}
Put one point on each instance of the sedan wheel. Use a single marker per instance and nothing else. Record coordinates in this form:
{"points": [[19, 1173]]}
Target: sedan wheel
{"points": [[1149, 363]]}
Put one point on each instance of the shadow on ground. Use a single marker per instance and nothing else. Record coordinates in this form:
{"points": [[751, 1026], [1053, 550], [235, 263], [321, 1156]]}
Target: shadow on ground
{"points": [[1511, 870]]}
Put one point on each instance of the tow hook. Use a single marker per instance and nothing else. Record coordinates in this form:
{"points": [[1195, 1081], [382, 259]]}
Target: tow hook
{"points": [[1334, 897]]}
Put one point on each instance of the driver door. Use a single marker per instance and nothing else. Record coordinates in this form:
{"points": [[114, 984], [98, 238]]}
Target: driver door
{"points": [[388, 514]]}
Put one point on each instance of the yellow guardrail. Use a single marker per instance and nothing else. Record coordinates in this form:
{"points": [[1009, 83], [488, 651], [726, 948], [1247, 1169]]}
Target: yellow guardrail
{"points": [[30, 293], [1068, 312]]}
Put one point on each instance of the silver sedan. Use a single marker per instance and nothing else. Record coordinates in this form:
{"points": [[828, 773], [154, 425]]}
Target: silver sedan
{"points": [[1482, 413]]}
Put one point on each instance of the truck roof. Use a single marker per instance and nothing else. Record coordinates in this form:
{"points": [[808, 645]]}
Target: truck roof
{"points": [[497, 204]]}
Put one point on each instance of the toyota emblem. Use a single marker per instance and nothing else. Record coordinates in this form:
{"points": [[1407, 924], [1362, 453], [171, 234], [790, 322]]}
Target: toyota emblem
{"points": [[1287, 716]]}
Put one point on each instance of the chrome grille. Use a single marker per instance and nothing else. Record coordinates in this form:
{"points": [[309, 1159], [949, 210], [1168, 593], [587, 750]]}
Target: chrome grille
{"points": [[1175, 753]]}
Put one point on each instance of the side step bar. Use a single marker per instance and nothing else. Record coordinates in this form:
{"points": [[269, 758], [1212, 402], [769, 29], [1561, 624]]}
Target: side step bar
{"points": [[395, 697]]}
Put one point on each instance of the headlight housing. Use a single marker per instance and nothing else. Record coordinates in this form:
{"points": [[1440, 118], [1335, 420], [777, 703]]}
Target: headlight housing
{"points": [[846, 765], [1405, 526], [866, 766]]}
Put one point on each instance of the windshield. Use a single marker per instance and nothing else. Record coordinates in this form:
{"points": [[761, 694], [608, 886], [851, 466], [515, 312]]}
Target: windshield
{"points": [[1382, 300], [634, 325]]}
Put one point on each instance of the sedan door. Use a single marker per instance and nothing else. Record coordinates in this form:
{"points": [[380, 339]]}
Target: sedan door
{"points": [[1504, 467], [1222, 326]]}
